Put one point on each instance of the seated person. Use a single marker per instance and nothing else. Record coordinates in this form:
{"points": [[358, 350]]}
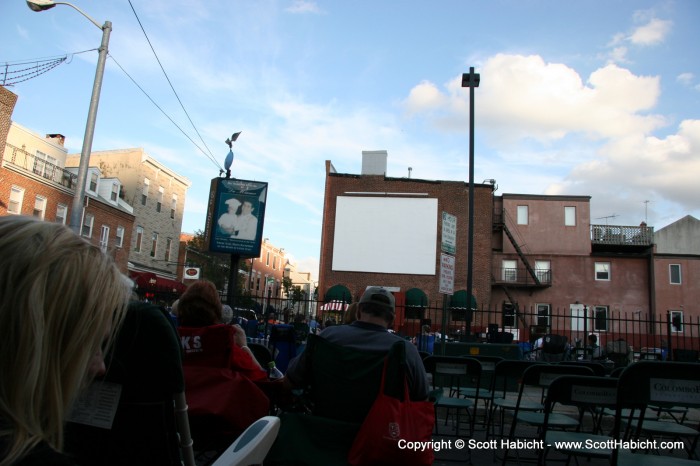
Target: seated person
{"points": [[200, 306], [593, 350], [369, 333], [63, 300]]}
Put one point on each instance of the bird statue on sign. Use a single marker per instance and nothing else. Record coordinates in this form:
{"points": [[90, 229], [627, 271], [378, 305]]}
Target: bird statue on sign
{"points": [[229, 158]]}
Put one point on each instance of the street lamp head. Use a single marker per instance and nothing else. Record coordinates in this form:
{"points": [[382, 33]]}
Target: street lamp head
{"points": [[40, 5]]}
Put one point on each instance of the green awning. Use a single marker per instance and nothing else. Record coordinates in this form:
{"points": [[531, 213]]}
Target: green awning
{"points": [[416, 298], [338, 293], [459, 300]]}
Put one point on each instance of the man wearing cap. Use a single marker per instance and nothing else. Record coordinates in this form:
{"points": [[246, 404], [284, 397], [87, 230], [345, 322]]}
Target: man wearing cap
{"points": [[369, 332], [227, 221]]}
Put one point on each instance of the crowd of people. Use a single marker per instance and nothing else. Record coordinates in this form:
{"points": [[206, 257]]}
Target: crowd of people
{"points": [[64, 303]]}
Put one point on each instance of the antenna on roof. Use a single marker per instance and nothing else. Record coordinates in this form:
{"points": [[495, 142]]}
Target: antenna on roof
{"points": [[607, 217]]}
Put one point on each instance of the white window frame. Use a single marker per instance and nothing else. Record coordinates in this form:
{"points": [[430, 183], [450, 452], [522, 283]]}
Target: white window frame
{"points": [[522, 214], [94, 180], [673, 313], [544, 312], [600, 309], [154, 244], [509, 271], [39, 207], [543, 270], [144, 191], [168, 247], [138, 239], [570, 216], [104, 238], [61, 213], [115, 192], [88, 222], [173, 206], [670, 274], [16, 198], [602, 271], [120, 236], [159, 201]]}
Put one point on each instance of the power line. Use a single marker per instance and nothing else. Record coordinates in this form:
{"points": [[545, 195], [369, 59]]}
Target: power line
{"points": [[170, 83], [163, 112], [11, 76]]}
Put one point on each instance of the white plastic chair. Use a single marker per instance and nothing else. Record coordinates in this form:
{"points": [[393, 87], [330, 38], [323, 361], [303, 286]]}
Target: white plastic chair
{"points": [[183, 427], [251, 447]]}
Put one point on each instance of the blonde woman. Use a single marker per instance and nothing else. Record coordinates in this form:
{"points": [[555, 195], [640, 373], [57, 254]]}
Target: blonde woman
{"points": [[62, 301]]}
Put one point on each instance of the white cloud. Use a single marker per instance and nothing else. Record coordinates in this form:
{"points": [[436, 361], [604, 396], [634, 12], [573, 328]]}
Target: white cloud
{"points": [[685, 78], [652, 33], [303, 6]]}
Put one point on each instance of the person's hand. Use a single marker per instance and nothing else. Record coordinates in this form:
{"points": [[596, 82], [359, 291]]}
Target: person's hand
{"points": [[239, 337]]}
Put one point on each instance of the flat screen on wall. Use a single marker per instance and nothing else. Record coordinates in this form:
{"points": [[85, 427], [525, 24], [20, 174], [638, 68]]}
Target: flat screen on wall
{"points": [[385, 235]]}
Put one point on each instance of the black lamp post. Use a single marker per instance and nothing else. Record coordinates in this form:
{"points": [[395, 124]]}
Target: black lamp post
{"points": [[470, 80]]}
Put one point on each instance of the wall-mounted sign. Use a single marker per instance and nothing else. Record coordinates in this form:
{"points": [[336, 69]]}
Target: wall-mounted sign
{"points": [[447, 274], [235, 216], [191, 273], [449, 233]]}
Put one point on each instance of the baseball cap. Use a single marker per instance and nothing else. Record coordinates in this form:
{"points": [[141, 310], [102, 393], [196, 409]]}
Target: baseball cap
{"points": [[379, 296]]}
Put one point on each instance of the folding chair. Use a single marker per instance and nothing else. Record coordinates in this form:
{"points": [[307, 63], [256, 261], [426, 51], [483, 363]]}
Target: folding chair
{"points": [[618, 352], [451, 373], [342, 386], [554, 348], [663, 384], [251, 447], [488, 367], [537, 378], [586, 393], [597, 368]]}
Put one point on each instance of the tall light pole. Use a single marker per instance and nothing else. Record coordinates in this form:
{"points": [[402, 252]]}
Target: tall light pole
{"points": [[470, 80], [76, 214]]}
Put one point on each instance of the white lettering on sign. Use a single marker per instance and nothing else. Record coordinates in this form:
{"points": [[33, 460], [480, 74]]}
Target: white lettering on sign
{"points": [[447, 274], [191, 344]]}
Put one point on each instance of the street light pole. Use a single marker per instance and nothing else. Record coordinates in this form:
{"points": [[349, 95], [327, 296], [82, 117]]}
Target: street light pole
{"points": [[470, 80], [79, 193]]}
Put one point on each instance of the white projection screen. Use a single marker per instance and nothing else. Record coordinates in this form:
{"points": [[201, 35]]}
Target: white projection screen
{"points": [[385, 235]]}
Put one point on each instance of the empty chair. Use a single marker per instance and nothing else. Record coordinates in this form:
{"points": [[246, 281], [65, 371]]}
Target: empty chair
{"points": [[597, 368], [251, 447], [618, 352], [663, 384], [488, 368]]}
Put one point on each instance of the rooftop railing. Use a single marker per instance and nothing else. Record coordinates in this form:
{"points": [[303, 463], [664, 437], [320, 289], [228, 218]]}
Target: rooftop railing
{"points": [[622, 235], [24, 160]]}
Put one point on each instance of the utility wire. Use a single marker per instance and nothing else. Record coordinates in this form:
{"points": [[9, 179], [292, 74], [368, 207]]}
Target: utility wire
{"points": [[171, 84], [163, 112]]}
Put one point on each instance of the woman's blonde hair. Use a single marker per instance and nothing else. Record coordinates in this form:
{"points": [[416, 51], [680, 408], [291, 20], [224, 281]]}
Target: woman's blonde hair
{"points": [[60, 296]]}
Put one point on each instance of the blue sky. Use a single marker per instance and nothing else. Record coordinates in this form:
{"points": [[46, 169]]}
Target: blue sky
{"points": [[598, 98]]}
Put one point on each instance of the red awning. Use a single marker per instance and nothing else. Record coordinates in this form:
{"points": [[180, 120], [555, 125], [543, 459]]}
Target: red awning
{"points": [[334, 306], [148, 281]]}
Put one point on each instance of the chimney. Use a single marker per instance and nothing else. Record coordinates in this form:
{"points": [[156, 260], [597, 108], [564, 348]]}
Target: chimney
{"points": [[57, 139], [374, 162]]}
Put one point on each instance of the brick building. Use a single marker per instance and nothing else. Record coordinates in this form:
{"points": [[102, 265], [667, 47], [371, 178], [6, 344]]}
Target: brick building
{"points": [[34, 181], [157, 195], [385, 231]]}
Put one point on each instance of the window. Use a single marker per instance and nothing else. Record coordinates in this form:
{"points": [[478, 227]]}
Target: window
{"points": [[120, 236], [543, 272], [115, 192], [44, 165], [674, 271], [676, 321], [144, 192], [159, 201], [602, 271], [274, 263], [16, 198], [61, 214], [508, 314], [87, 225], [39, 207], [543, 313], [173, 206], [267, 259], [600, 318], [510, 271], [93, 182], [570, 216], [168, 246], [104, 238], [154, 244], [522, 214], [139, 239]]}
